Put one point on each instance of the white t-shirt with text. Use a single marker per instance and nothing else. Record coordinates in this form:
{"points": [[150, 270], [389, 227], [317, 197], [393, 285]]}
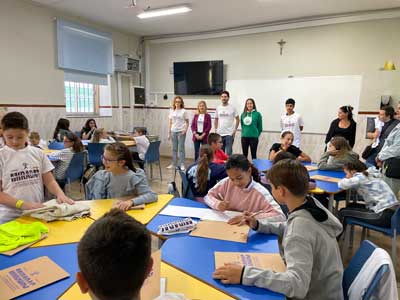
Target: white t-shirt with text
{"points": [[178, 117], [21, 177], [293, 123], [226, 119]]}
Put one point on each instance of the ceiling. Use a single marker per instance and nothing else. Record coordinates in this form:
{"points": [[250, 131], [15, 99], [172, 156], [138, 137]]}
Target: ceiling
{"points": [[208, 15]]}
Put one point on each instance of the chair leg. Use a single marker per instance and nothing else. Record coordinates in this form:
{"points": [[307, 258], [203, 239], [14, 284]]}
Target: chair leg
{"points": [[345, 244], [159, 165], [351, 236], [363, 234], [151, 171], [394, 248]]}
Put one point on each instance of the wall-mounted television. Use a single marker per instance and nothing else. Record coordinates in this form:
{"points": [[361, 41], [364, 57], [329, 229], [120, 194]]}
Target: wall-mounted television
{"points": [[199, 77]]}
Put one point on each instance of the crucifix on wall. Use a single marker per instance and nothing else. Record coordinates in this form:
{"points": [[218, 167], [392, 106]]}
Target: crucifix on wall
{"points": [[281, 43]]}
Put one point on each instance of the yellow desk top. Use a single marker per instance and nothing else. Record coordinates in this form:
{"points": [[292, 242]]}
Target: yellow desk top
{"points": [[99, 207], [61, 232], [129, 143], [49, 151], [177, 282]]}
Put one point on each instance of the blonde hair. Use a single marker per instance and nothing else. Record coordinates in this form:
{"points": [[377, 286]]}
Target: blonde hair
{"points": [[96, 135], [201, 102], [341, 144], [182, 103], [34, 135]]}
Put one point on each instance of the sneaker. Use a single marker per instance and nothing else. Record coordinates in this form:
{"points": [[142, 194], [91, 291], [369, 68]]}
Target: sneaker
{"points": [[183, 168], [171, 166]]}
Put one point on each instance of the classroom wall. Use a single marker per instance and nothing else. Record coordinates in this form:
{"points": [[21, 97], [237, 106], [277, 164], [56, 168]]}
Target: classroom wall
{"points": [[359, 48], [29, 75]]}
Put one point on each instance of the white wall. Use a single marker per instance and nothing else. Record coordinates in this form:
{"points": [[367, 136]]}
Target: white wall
{"points": [[359, 48]]}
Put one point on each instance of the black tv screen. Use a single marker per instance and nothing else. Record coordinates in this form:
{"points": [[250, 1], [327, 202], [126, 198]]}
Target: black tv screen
{"points": [[199, 77]]}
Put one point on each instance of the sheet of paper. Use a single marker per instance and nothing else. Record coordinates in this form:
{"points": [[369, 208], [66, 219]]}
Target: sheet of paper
{"points": [[311, 168], [271, 261], [29, 276], [182, 211], [222, 216], [221, 231], [325, 178], [20, 248], [151, 286]]}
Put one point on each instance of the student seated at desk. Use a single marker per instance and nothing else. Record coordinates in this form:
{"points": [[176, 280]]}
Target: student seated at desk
{"points": [[204, 174], [142, 144], [379, 199], [23, 171], [241, 191], [314, 268], [286, 146], [215, 142], [61, 130], [36, 141], [338, 153], [101, 136], [72, 145], [120, 179], [105, 274]]}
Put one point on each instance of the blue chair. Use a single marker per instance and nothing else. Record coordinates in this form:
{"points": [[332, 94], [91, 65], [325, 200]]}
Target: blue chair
{"points": [[186, 190], [153, 156], [56, 145], [392, 231], [355, 266], [75, 169], [95, 151]]}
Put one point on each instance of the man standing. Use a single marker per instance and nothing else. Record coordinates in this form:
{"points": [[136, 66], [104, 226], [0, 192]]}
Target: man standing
{"points": [[292, 121], [225, 115]]}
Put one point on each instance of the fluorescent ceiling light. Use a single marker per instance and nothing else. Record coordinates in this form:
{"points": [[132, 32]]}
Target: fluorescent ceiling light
{"points": [[164, 11]]}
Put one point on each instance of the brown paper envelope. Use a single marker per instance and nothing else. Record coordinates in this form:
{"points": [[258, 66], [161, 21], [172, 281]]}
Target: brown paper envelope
{"points": [[20, 248], [151, 286], [271, 261], [29, 276], [325, 178], [221, 231]]}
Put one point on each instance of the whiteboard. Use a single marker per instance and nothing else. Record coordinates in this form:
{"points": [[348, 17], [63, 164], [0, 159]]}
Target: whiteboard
{"points": [[317, 98]]}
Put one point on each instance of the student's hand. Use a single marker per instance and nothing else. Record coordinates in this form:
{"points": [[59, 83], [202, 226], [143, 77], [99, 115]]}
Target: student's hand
{"points": [[229, 273], [124, 205], [379, 163], [236, 220], [31, 205], [64, 199], [223, 205], [248, 219], [183, 132]]}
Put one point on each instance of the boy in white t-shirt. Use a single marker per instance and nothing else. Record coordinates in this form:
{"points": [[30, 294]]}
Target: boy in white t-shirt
{"points": [[226, 122], [23, 171], [292, 121], [142, 144]]}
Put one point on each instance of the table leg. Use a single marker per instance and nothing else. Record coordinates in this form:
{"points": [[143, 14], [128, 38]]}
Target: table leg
{"points": [[330, 205]]}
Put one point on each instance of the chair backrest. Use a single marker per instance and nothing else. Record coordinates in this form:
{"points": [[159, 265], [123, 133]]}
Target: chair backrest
{"points": [[56, 145], [396, 221], [153, 152], [76, 167], [95, 151], [186, 190], [355, 266]]}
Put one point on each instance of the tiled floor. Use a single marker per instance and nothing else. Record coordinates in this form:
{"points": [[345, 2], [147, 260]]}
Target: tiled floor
{"points": [[160, 187]]}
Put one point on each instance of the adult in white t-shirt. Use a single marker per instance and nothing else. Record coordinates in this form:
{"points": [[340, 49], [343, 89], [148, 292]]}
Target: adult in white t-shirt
{"points": [[226, 122], [292, 121], [178, 125]]}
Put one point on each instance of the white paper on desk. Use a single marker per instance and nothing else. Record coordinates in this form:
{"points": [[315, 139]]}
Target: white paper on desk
{"points": [[222, 216], [182, 211]]}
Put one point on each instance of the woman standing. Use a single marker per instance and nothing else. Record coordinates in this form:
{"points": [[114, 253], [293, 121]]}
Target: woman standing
{"points": [[178, 125], [201, 126], [251, 122], [343, 126], [88, 130]]}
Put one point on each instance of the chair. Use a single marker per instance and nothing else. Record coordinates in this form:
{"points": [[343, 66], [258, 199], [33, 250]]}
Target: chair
{"points": [[56, 146], [355, 266], [95, 151], [393, 231], [153, 156], [75, 169], [186, 190]]}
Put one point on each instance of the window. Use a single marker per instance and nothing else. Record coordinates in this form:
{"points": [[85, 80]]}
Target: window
{"points": [[81, 98]]}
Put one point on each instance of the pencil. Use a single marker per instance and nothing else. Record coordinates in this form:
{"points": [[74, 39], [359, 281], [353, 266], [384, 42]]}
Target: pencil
{"points": [[256, 213]]}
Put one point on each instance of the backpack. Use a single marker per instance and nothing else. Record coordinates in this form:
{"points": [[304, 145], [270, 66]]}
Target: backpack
{"points": [[88, 173], [172, 189]]}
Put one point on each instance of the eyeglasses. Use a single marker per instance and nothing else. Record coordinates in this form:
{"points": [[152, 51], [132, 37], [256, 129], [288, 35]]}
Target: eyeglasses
{"points": [[107, 160]]}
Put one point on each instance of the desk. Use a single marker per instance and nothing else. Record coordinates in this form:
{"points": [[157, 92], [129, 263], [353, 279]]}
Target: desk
{"points": [[131, 143], [99, 207], [331, 188], [63, 255], [60, 232], [177, 282]]}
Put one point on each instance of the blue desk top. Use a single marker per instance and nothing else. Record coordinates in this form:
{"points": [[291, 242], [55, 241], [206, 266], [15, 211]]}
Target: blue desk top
{"points": [[64, 255], [195, 256], [160, 219]]}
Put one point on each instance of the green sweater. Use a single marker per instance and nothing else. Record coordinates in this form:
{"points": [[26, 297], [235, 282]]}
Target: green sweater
{"points": [[254, 129]]}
